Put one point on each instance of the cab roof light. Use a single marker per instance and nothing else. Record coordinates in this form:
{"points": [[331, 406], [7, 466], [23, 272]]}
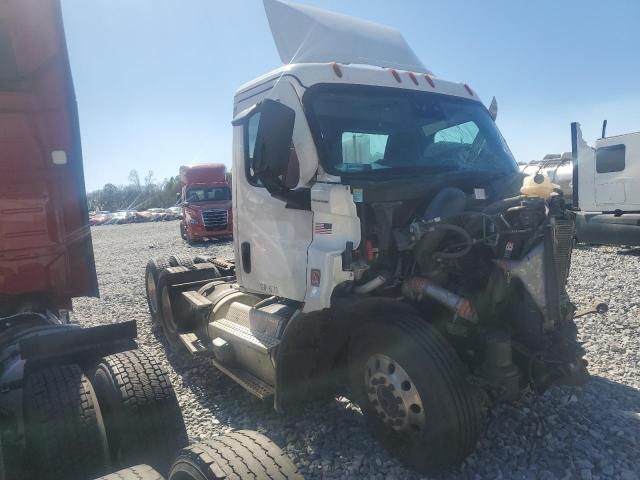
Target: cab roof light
{"points": [[336, 69], [468, 89], [429, 80], [396, 75], [412, 76]]}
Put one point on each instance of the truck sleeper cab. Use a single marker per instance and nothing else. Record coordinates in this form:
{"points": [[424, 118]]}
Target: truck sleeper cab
{"points": [[381, 241]]}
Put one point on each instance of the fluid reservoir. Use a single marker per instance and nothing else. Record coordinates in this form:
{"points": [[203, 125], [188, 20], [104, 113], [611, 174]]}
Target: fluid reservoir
{"points": [[537, 185]]}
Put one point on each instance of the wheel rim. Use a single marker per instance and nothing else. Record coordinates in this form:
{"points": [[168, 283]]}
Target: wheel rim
{"points": [[393, 395], [151, 292]]}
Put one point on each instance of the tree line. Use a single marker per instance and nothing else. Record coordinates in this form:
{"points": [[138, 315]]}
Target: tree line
{"points": [[137, 195]]}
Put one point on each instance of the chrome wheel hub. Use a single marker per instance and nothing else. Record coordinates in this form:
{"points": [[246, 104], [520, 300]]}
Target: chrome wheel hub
{"points": [[393, 394]]}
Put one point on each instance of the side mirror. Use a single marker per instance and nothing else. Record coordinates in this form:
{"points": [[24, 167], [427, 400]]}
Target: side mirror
{"points": [[273, 144], [493, 109]]}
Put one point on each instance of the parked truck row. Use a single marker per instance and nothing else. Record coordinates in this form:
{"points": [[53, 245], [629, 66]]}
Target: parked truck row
{"points": [[385, 240]]}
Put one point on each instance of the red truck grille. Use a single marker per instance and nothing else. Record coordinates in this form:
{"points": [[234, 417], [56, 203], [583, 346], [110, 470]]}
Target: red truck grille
{"points": [[215, 219]]}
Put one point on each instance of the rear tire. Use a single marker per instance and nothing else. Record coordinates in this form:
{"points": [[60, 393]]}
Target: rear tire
{"points": [[154, 267], [142, 416], [139, 472], [234, 456], [65, 436], [180, 261], [411, 387]]}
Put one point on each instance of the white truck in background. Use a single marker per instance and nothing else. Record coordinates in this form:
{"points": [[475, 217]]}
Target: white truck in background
{"points": [[381, 241], [601, 183], [607, 176]]}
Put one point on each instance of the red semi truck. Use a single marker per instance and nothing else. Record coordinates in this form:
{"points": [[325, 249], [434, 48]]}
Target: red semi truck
{"points": [[206, 202]]}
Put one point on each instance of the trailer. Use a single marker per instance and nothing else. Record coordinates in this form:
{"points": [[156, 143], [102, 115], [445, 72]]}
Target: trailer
{"points": [[75, 403], [384, 240]]}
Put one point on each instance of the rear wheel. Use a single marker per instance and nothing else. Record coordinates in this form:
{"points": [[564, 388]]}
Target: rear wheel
{"points": [[234, 456], [180, 261], [412, 390], [169, 313], [65, 435], [154, 267], [142, 416]]}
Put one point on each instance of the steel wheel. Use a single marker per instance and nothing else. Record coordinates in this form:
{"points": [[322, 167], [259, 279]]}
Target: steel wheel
{"points": [[412, 389], [393, 394]]}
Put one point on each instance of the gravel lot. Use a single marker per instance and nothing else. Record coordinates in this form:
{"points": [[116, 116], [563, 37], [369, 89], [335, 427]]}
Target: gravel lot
{"points": [[569, 432]]}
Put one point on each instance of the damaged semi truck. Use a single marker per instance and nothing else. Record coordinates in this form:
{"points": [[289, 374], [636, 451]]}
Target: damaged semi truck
{"points": [[383, 239]]}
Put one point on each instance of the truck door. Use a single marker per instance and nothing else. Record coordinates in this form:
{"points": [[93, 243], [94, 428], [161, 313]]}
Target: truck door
{"points": [[617, 173], [271, 240]]}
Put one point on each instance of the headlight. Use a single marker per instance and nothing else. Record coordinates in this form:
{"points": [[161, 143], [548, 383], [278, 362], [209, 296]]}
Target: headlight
{"points": [[193, 221]]}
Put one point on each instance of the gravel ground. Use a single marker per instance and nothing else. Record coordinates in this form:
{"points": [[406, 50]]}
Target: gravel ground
{"points": [[569, 432]]}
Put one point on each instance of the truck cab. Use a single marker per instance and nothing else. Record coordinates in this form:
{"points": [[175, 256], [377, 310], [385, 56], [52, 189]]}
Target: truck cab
{"points": [[384, 240], [206, 202], [607, 176]]}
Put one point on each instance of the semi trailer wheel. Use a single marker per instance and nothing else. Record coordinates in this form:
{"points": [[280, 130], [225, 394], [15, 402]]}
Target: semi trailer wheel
{"points": [[180, 261], [175, 314], [65, 435], [234, 456], [141, 413], [154, 267], [169, 313], [139, 472], [411, 387]]}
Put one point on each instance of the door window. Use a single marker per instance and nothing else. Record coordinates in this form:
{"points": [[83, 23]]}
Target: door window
{"points": [[251, 133], [610, 159]]}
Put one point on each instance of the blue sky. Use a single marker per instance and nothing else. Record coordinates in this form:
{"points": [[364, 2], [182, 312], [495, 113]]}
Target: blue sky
{"points": [[155, 78]]}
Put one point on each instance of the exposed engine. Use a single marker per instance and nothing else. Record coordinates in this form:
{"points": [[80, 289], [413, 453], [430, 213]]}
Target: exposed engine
{"points": [[490, 272]]}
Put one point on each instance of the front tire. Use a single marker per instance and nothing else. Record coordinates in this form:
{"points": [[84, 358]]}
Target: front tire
{"points": [[411, 387]]}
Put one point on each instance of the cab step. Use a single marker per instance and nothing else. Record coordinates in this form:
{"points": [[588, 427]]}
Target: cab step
{"points": [[236, 332], [249, 382], [195, 345]]}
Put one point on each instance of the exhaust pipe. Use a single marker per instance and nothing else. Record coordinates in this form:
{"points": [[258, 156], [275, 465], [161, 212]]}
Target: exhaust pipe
{"points": [[417, 287]]}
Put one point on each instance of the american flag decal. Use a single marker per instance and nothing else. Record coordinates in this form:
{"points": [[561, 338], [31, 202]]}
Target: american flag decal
{"points": [[323, 228]]}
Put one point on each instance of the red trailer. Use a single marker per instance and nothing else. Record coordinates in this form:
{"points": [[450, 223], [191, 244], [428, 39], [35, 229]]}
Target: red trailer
{"points": [[64, 408], [46, 255], [206, 202]]}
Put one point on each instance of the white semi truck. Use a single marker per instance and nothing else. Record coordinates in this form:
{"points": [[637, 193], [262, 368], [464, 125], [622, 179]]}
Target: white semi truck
{"points": [[381, 241], [602, 184]]}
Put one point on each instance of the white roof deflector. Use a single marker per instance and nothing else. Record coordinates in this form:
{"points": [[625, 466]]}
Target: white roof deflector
{"points": [[305, 34]]}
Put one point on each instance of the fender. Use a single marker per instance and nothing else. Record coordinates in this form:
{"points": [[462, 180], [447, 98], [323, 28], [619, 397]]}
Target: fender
{"points": [[311, 356]]}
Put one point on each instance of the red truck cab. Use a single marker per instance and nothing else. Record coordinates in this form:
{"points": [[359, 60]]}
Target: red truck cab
{"points": [[206, 202]]}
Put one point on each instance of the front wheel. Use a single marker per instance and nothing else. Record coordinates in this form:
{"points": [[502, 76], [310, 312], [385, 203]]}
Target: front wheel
{"points": [[411, 387]]}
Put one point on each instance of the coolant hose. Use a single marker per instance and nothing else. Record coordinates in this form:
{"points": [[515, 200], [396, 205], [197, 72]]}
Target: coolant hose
{"points": [[371, 285], [416, 287]]}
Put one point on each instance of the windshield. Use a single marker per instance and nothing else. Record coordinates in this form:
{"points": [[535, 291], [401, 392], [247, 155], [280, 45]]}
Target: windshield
{"points": [[208, 194], [389, 130]]}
